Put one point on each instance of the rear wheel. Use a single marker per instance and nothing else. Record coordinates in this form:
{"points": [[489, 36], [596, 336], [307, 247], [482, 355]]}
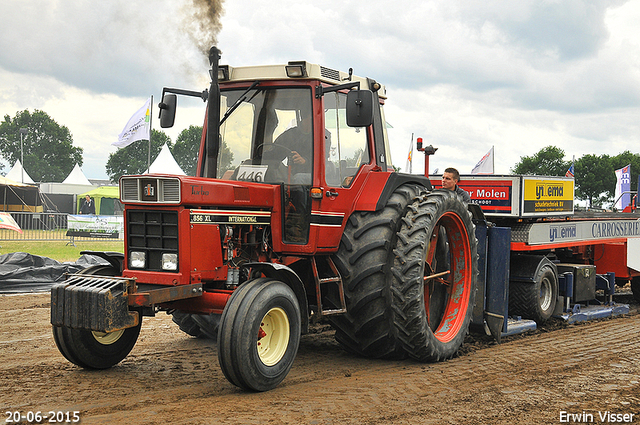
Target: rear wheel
{"points": [[186, 323], [364, 260], [198, 325], [434, 276], [535, 300], [259, 334], [208, 324], [91, 349]]}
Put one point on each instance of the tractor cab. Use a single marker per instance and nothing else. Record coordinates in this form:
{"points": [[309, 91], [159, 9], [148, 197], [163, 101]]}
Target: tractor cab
{"points": [[301, 126]]}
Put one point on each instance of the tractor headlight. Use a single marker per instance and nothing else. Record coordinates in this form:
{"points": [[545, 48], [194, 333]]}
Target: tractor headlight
{"points": [[169, 261], [137, 259]]}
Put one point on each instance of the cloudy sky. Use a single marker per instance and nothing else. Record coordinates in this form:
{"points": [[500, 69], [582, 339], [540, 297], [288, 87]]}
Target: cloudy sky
{"points": [[465, 75]]}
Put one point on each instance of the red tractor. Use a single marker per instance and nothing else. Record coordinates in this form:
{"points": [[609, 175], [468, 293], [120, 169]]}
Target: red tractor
{"points": [[295, 214]]}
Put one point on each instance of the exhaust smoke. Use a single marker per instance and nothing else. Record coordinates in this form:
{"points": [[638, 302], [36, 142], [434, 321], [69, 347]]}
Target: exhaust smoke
{"points": [[206, 24]]}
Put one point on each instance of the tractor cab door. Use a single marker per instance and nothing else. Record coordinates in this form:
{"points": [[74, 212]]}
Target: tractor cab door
{"points": [[346, 155], [267, 137]]}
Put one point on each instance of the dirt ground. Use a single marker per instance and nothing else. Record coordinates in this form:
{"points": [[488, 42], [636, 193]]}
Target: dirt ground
{"points": [[541, 378]]}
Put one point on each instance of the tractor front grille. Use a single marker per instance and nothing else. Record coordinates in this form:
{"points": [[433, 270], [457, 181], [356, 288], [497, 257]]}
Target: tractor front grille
{"points": [[150, 189], [153, 232]]}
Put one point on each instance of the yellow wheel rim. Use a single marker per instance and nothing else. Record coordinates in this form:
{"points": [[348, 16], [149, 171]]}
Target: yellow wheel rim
{"points": [[273, 336], [107, 338]]}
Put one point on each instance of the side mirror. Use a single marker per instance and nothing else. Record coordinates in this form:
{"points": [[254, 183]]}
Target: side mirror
{"points": [[168, 110], [360, 108]]}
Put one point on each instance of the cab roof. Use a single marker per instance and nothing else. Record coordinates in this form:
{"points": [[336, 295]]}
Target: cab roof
{"points": [[296, 70]]}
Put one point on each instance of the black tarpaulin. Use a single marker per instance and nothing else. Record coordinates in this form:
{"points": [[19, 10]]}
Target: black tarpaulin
{"points": [[21, 272]]}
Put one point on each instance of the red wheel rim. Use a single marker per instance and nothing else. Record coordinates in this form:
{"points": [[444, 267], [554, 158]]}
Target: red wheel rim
{"points": [[451, 312]]}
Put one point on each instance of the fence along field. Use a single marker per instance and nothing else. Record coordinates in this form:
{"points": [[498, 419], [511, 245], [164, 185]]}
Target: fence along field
{"points": [[52, 227]]}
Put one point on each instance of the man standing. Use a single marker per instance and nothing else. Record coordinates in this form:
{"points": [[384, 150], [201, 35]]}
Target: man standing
{"points": [[88, 207], [450, 179]]}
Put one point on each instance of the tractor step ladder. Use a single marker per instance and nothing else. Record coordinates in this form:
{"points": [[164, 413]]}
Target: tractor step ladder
{"points": [[339, 305]]}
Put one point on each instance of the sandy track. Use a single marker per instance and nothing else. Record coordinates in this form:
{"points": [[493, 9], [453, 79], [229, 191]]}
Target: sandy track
{"points": [[172, 378]]}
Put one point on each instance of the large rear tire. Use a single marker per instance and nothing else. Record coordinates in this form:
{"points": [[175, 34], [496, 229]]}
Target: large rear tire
{"points": [[91, 349], [364, 261], [259, 334], [208, 323], [197, 325], [186, 323], [434, 276]]}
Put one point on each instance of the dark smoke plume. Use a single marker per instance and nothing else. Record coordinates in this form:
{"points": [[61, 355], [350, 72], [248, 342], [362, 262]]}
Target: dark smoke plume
{"points": [[206, 23]]}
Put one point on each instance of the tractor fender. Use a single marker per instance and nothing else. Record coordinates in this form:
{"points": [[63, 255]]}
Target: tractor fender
{"points": [[291, 279], [396, 180]]}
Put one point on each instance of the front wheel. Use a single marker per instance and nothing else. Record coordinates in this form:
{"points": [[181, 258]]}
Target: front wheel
{"points": [[259, 334], [92, 349]]}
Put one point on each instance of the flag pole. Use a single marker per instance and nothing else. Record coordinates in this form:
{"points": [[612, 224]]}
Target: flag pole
{"points": [[150, 120], [410, 156], [493, 159]]}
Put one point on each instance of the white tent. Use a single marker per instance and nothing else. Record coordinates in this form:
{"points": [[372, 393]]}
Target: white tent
{"points": [[165, 163], [18, 174], [76, 176]]}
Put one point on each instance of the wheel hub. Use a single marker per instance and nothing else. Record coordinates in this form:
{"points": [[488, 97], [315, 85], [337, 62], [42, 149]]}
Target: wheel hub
{"points": [[107, 338], [273, 336], [545, 294]]}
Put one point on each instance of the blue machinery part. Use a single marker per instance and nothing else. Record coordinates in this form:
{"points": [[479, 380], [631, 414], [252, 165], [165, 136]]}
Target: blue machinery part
{"points": [[593, 309], [492, 298]]}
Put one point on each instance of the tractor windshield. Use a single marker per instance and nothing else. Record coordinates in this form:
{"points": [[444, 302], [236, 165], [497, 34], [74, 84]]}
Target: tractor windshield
{"points": [[268, 136]]}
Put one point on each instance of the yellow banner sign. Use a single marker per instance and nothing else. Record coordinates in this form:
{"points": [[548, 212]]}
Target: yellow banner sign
{"points": [[547, 195]]}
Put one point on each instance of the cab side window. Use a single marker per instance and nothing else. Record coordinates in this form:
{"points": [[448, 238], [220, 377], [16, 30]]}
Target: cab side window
{"points": [[345, 147]]}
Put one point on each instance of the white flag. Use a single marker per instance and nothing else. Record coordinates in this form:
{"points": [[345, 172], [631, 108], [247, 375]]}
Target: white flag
{"points": [[138, 127], [485, 165]]}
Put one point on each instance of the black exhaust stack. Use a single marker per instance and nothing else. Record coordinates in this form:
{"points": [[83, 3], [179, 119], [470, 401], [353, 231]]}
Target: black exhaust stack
{"points": [[213, 116]]}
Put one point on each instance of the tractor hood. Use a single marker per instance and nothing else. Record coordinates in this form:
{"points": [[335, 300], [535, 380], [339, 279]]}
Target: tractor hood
{"points": [[196, 191]]}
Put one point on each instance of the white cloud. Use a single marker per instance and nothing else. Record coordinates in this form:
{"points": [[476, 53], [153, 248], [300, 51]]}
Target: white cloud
{"points": [[464, 74]]}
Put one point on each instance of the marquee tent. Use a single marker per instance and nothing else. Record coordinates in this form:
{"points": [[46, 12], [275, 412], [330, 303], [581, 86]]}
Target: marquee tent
{"points": [[76, 176], [18, 174], [107, 199], [165, 163], [16, 196]]}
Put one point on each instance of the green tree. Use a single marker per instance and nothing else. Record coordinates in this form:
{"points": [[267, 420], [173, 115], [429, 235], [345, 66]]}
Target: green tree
{"points": [[548, 161], [134, 159], [187, 148], [49, 154], [226, 158], [595, 180]]}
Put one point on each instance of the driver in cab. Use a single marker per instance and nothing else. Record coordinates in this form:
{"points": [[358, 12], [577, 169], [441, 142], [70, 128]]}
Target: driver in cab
{"points": [[298, 140]]}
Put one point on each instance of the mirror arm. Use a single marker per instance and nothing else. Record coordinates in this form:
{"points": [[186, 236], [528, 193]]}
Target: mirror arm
{"points": [[320, 90], [204, 95]]}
